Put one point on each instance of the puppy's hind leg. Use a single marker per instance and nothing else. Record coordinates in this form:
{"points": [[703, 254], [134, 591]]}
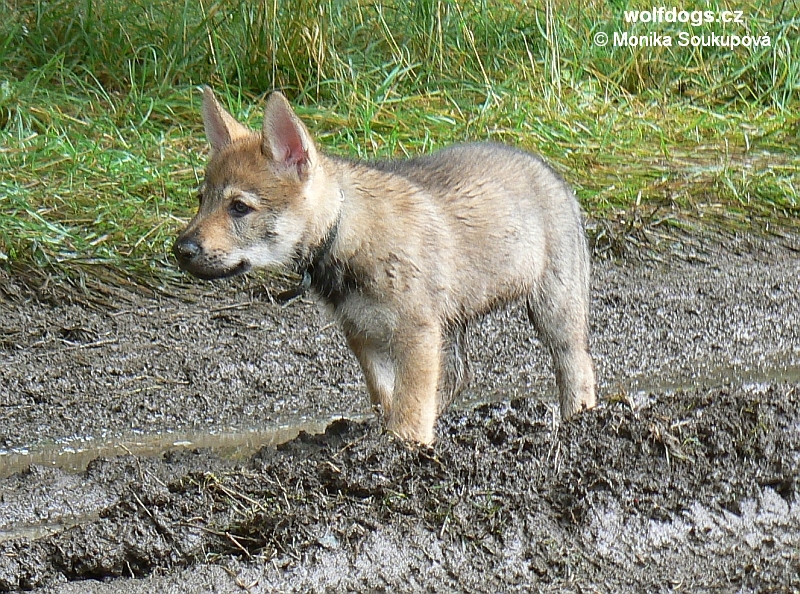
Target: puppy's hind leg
{"points": [[455, 372], [559, 312]]}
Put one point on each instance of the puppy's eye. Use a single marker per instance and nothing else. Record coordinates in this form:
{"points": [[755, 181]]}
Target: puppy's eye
{"points": [[238, 208]]}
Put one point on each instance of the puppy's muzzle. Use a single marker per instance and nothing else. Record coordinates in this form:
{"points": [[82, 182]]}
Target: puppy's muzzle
{"points": [[194, 259]]}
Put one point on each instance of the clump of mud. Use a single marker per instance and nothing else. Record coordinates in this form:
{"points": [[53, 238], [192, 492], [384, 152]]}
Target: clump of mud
{"points": [[694, 491]]}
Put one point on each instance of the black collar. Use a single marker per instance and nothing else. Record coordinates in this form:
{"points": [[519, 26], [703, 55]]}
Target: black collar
{"points": [[310, 264]]}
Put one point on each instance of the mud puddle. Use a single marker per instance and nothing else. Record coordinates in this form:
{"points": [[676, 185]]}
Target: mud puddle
{"points": [[234, 445]]}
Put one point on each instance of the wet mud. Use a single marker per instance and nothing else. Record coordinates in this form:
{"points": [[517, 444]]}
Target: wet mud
{"points": [[684, 479]]}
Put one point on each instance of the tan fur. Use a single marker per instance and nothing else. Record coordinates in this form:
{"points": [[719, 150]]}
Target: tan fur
{"points": [[416, 249]]}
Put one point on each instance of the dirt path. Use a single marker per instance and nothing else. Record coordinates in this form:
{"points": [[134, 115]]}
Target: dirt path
{"points": [[684, 479]]}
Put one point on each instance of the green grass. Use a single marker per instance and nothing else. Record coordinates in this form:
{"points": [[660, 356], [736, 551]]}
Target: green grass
{"points": [[101, 144]]}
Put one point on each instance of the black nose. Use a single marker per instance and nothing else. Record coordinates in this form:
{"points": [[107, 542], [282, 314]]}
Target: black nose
{"points": [[185, 249]]}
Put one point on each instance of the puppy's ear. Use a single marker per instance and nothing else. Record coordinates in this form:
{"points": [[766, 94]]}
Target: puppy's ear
{"points": [[285, 139], [221, 127]]}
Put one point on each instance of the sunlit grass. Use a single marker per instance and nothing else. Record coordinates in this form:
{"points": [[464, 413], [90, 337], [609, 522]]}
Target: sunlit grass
{"points": [[101, 144]]}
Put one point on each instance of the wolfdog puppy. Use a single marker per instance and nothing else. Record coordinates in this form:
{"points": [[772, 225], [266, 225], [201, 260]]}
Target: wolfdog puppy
{"points": [[404, 253]]}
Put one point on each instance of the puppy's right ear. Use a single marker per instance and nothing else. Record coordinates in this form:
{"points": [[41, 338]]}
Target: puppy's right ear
{"points": [[286, 139], [221, 127]]}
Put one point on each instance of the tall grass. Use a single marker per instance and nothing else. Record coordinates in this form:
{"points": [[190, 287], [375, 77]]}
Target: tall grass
{"points": [[100, 142], [323, 48]]}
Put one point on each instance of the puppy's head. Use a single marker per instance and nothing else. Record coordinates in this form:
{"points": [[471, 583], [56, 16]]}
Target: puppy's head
{"points": [[254, 203]]}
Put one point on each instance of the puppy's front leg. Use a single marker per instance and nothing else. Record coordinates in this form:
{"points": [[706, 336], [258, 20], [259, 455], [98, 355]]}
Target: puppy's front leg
{"points": [[378, 368], [417, 356]]}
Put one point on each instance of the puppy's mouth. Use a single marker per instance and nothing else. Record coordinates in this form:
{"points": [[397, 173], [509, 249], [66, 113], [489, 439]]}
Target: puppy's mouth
{"points": [[206, 274]]}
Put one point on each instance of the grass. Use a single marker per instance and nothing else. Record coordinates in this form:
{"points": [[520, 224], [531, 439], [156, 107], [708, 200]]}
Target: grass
{"points": [[101, 144]]}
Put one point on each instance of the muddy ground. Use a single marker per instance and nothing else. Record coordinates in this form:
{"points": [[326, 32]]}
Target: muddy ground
{"points": [[684, 479]]}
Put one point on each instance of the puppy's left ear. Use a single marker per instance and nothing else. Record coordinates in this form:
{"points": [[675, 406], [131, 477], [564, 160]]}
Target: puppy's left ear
{"points": [[285, 139], [221, 127]]}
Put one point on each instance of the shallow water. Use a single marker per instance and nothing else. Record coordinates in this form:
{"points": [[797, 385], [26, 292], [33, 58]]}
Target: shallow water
{"points": [[74, 455]]}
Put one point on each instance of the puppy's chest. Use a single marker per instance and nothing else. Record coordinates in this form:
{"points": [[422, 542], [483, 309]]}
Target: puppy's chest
{"points": [[334, 281], [361, 303]]}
